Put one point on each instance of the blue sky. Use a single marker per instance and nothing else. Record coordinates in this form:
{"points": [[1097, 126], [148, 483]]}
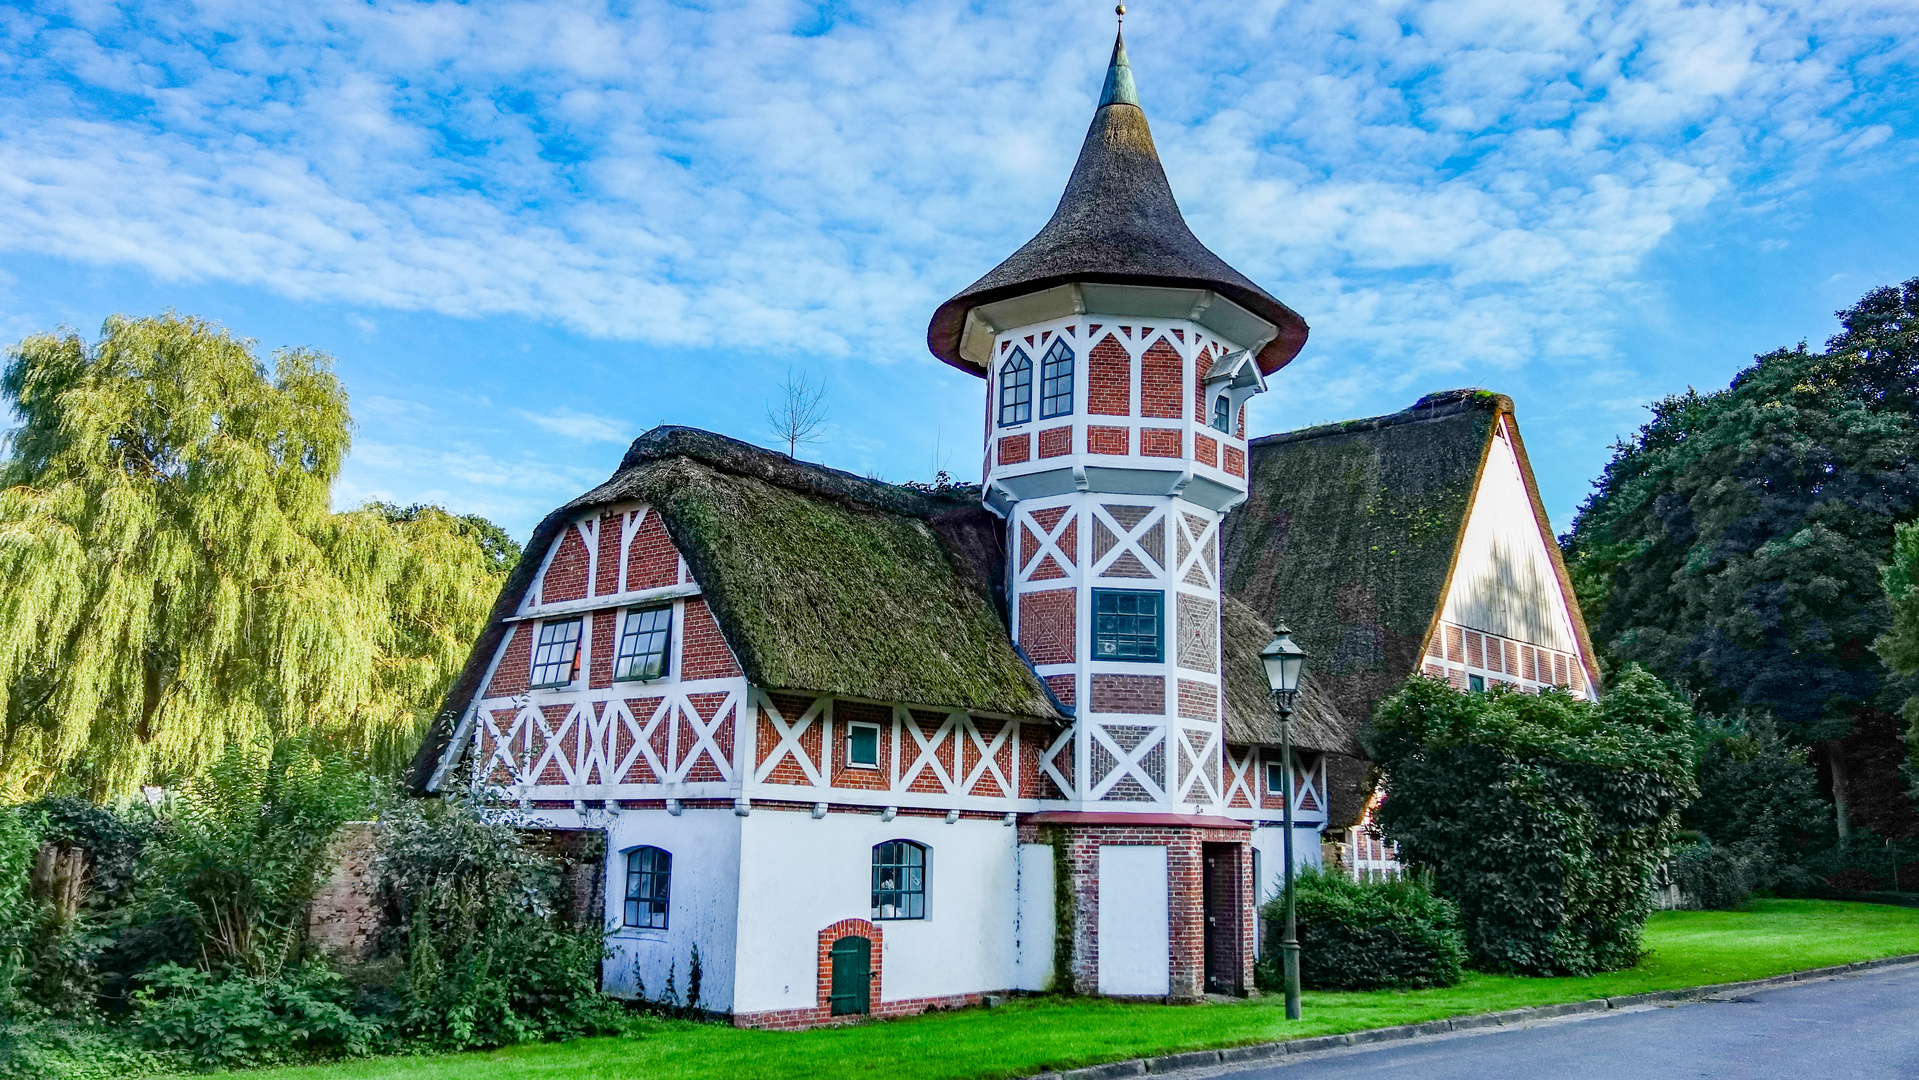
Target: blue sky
{"points": [[529, 231]]}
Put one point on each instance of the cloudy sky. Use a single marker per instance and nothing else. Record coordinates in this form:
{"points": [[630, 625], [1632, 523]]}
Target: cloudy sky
{"points": [[530, 231]]}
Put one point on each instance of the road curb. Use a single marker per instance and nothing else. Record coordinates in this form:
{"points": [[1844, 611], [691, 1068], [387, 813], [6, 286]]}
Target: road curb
{"points": [[1235, 1055]]}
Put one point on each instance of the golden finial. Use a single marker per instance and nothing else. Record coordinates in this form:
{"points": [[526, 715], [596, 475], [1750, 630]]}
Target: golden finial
{"points": [[1120, 10]]}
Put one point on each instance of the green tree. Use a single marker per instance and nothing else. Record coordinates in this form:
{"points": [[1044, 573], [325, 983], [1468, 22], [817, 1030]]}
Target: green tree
{"points": [[1733, 545], [177, 581]]}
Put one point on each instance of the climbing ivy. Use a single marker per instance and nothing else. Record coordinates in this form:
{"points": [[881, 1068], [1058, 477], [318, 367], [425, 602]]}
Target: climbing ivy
{"points": [[1542, 816]]}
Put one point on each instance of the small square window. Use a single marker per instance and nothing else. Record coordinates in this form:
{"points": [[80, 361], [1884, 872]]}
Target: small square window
{"points": [[556, 654], [1477, 682], [644, 639], [1275, 778], [863, 745], [1128, 625]]}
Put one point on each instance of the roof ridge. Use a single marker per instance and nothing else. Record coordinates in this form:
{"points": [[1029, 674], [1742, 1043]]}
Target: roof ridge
{"points": [[1435, 406], [740, 458]]}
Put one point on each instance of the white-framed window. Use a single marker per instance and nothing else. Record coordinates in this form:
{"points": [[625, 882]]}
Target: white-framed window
{"points": [[863, 745], [1016, 390], [645, 639], [899, 880], [1275, 777], [1223, 413], [649, 887], [556, 654]]}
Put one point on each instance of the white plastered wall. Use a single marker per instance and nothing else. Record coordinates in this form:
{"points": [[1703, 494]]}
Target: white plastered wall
{"points": [[1033, 959], [1504, 581], [1270, 843], [702, 908], [1135, 922], [802, 874]]}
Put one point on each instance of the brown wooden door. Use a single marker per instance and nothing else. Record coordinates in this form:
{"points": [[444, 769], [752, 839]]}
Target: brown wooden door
{"points": [[1223, 917]]}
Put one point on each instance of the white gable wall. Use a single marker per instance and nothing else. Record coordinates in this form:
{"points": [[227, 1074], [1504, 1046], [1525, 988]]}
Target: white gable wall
{"points": [[1504, 582]]}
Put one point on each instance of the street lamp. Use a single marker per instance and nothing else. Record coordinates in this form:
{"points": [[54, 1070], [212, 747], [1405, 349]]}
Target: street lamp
{"points": [[1284, 660]]}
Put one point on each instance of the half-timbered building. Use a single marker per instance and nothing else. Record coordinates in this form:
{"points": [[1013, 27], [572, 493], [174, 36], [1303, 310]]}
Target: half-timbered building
{"points": [[874, 748]]}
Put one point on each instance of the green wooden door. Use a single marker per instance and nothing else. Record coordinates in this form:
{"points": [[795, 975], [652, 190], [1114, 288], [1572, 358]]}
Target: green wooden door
{"points": [[852, 971]]}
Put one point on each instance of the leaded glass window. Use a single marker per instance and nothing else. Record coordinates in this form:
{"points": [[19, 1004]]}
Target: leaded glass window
{"points": [[649, 882], [1128, 625], [1016, 390], [1056, 381], [644, 638], [899, 880], [556, 653]]}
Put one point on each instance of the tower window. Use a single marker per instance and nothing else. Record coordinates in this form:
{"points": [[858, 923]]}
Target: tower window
{"points": [[556, 654], [643, 644], [1056, 381], [649, 881], [1129, 625], [1016, 390], [899, 880], [1223, 412]]}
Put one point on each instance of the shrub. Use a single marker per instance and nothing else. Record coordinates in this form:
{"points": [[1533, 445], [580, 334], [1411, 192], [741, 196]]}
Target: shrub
{"points": [[1366, 935], [1543, 816], [481, 926], [1712, 877], [244, 1020]]}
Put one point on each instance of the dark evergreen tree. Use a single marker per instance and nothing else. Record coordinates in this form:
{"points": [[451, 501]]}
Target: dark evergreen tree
{"points": [[1734, 545]]}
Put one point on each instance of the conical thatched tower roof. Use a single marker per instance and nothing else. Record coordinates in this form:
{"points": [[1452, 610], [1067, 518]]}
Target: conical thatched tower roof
{"points": [[1117, 223]]}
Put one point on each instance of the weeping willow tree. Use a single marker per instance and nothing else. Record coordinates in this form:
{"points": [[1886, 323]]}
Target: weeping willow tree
{"points": [[176, 581]]}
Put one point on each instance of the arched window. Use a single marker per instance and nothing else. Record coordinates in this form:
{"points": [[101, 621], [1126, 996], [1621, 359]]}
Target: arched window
{"points": [[899, 880], [1223, 412], [649, 880], [1016, 390], [1056, 381]]}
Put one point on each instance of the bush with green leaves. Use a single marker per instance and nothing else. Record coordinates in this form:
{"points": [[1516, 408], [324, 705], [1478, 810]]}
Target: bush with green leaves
{"points": [[1543, 816], [1712, 877], [492, 953], [1357, 935], [245, 1020]]}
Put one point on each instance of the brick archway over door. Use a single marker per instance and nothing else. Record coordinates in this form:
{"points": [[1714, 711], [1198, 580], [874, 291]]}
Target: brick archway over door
{"points": [[824, 959]]}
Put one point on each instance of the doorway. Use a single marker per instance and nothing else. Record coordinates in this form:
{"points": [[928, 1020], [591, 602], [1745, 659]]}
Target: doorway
{"points": [[1223, 905], [852, 976]]}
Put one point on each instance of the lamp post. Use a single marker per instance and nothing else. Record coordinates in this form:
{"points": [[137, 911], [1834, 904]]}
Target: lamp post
{"points": [[1284, 660]]}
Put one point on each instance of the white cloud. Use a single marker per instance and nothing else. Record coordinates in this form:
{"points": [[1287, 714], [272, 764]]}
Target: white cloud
{"points": [[581, 427], [1441, 184]]}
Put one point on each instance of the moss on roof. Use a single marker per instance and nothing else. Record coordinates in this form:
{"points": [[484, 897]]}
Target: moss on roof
{"points": [[1248, 707], [820, 580], [1348, 536]]}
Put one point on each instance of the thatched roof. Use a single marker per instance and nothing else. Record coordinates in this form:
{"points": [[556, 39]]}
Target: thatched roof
{"points": [[1247, 707], [820, 580], [1117, 223], [1348, 536]]}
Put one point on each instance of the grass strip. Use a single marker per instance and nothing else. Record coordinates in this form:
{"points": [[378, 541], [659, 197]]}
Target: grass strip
{"points": [[1685, 948]]}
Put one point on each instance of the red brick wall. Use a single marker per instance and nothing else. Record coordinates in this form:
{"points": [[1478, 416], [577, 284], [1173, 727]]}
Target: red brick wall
{"points": [[653, 562], [1236, 461], [1129, 694], [1206, 450], [565, 577], [1198, 700], [853, 776], [703, 652], [1201, 365], [510, 677], [603, 623], [1062, 686], [1186, 891], [1014, 449], [606, 577], [1106, 440], [1160, 442], [1047, 625], [1161, 377], [1109, 373], [1055, 442]]}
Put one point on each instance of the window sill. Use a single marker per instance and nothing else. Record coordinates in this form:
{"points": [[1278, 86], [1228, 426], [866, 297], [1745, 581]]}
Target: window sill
{"points": [[639, 933]]}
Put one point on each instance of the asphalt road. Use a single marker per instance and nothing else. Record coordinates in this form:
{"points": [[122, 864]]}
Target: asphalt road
{"points": [[1858, 1027]]}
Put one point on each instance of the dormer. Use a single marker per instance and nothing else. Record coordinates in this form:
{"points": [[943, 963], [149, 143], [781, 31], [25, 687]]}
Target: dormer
{"points": [[1231, 380]]}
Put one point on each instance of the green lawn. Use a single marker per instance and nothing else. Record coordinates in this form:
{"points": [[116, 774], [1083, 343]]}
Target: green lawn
{"points": [[1687, 948]]}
